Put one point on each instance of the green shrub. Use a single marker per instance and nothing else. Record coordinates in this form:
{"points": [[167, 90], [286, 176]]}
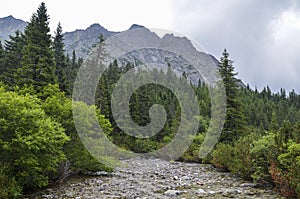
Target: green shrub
{"points": [[222, 156], [31, 142], [290, 163], [59, 108], [281, 181], [241, 162], [263, 153], [9, 189], [192, 153]]}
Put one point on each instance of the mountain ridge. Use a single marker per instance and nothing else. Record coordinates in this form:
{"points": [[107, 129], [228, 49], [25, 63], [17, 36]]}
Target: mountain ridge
{"points": [[9, 25], [82, 40]]}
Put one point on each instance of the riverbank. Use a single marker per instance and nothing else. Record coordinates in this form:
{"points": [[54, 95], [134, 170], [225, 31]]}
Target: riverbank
{"points": [[155, 178]]}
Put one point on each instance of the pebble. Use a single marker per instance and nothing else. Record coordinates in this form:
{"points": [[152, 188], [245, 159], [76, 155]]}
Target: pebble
{"points": [[201, 191], [248, 185], [155, 178], [172, 193]]}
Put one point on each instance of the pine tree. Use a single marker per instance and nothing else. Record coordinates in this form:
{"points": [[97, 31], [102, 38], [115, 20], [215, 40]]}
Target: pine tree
{"points": [[12, 60], [73, 62], [60, 59], [38, 66], [274, 126], [1, 58], [234, 125]]}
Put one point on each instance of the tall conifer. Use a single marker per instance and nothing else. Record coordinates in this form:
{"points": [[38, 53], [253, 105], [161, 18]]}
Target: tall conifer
{"points": [[38, 66], [234, 125]]}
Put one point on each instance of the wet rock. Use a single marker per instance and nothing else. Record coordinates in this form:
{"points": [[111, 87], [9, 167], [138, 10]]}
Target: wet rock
{"points": [[50, 196], [201, 191], [172, 193], [155, 178], [211, 192], [248, 185]]}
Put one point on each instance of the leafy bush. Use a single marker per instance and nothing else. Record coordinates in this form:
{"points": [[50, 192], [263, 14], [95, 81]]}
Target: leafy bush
{"points": [[222, 156], [192, 153], [31, 142], [263, 153], [241, 162], [249, 157], [290, 164], [281, 181], [59, 107], [8, 185]]}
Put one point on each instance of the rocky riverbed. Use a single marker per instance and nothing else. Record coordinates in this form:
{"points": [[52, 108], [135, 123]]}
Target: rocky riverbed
{"points": [[155, 178]]}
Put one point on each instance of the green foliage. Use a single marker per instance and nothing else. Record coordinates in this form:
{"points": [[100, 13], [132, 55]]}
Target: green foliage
{"points": [[140, 103], [9, 189], [89, 133], [192, 153], [2, 56], [60, 59], [242, 160], [263, 153], [38, 67], [59, 108], [290, 162], [274, 157], [31, 142], [234, 126], [13, 57], [222, 156]]}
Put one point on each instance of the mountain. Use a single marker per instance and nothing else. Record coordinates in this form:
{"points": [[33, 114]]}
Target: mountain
{"points": [[134, 26], [9, 25], [82, 40], [178, 52]]}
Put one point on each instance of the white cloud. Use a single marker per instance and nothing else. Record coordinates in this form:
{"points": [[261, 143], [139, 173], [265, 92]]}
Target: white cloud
{"points": [[112, 14], [261, 36]]}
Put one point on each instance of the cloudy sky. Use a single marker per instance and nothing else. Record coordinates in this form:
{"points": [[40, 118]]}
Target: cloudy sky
{"points": [[262, 36]]}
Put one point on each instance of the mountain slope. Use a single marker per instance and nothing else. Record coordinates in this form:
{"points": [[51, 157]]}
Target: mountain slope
{"points": [[82, 40], [161, 52], [9, 25]]}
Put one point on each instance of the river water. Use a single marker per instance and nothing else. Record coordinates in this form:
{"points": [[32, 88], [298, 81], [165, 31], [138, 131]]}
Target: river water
{"points": [[155, 178]]}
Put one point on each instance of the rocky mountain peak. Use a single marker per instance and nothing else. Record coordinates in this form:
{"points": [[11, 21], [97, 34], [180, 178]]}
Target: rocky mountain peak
{"points": [[134, 26], [9, 25], [97, 27]]}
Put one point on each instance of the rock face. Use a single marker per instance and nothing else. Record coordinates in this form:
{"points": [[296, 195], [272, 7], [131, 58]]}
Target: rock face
{"points": [[155, 178], [145, 49], [9, 25], [82, 40]]}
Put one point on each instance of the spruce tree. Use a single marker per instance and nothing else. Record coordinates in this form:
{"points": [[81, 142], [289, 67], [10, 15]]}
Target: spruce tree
{"points": [[73, 62], [1, 58], [13, 57], [38, 66], [234, 125], [60, 59]]}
